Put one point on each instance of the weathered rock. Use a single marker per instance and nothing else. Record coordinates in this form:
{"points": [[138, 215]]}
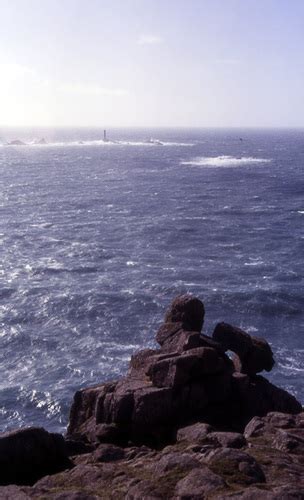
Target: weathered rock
{"points": [[199, 484], [191, 365], [183, 340], [254, 353], [169, 330], [236, 465], [262, 397], [288, 442], [254, 428], [190, 378], [142, 359], [187, 310], [232, 338], [189, 404], [138, 451], [289, 492], [143, 490], [84, 405], [228, 439], [251, 493], [74, 447], [195, 433], [152, 406], [73, 495], [13, 492], [108, 433], [282, 420], [29, 454], [108, 453], [218, 387], [182, 461], [16, 142]]}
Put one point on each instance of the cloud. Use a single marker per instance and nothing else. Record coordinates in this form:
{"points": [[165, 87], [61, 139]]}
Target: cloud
{"points": [[149, 40]]}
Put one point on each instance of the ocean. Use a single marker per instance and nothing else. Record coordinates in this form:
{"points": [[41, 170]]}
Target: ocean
{"points": [[98, 238]]}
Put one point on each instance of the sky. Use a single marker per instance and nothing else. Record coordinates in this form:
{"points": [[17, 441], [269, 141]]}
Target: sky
{"points": [[121, 63]]}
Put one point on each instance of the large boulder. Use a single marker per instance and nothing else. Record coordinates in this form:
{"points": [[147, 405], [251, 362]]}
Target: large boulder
{"points": [[198, 484], [188, 310], [28, 454], [254, 354]]}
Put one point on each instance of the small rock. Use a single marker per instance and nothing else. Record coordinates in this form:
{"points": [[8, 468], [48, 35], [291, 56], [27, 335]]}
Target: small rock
{"points": [[142, 490], [169, 461], [228, 439], [198, 484], [108, 433], [255, 428], [289, 492], [108, 453], [235, 465], [251, 493], [13, 492], [281, 420], [289, 443], [195, 433], [74, 447]]}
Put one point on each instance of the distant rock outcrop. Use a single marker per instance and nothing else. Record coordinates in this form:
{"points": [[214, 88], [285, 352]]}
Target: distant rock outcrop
{"points": [[16, 142], [41, 141]]}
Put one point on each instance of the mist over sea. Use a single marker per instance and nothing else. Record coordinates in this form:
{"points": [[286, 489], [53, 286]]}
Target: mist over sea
{"points": [[97, 239]]}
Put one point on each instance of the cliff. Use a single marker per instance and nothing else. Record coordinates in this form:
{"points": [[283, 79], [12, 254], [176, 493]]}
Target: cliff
{"points": [[188, 421]]}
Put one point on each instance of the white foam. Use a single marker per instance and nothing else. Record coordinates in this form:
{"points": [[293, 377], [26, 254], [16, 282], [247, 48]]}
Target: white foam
{"points": [[224, 161], [101, 142]]}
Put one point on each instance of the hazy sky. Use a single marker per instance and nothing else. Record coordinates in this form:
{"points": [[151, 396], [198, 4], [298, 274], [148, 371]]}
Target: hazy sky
{"points": [[152, 62]]}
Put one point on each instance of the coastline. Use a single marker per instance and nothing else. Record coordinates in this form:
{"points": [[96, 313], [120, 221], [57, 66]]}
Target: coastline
{"points": [[186, 422]]}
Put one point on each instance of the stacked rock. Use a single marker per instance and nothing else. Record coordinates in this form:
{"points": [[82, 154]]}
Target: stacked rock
{"points": [[189, 378]]}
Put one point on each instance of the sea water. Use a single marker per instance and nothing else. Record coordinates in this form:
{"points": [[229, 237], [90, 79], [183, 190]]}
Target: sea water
{"points": [[97, 239]]}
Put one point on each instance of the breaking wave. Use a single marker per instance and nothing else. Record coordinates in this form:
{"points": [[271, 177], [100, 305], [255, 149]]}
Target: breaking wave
{"points": [[98, 142], [224, 161]]}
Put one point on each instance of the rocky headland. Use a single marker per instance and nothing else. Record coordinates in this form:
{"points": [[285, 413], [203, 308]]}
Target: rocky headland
{"points": [[192, 419]]}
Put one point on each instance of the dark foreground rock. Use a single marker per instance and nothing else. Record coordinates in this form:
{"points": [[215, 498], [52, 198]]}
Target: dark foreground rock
{"points": [[186, 422], [29, 454], [203, 463]]}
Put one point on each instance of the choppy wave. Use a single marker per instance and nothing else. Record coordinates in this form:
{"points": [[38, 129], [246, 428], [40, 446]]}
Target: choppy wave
{"points": [[224, 161], [98, 237]]}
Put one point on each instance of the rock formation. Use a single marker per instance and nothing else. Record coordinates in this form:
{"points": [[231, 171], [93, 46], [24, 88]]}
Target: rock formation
{"points": [[189, 378], [16, 142], [186, 422]]}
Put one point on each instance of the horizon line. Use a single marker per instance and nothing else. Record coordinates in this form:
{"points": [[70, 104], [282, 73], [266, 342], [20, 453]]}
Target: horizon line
{"points": [[197, 127]]}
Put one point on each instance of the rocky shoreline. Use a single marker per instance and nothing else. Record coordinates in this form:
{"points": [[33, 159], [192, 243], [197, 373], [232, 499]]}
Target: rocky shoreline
{"points": [[190, 420]]}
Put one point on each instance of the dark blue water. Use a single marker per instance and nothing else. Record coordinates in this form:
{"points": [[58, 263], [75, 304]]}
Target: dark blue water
{"points": [[96, 239]]}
